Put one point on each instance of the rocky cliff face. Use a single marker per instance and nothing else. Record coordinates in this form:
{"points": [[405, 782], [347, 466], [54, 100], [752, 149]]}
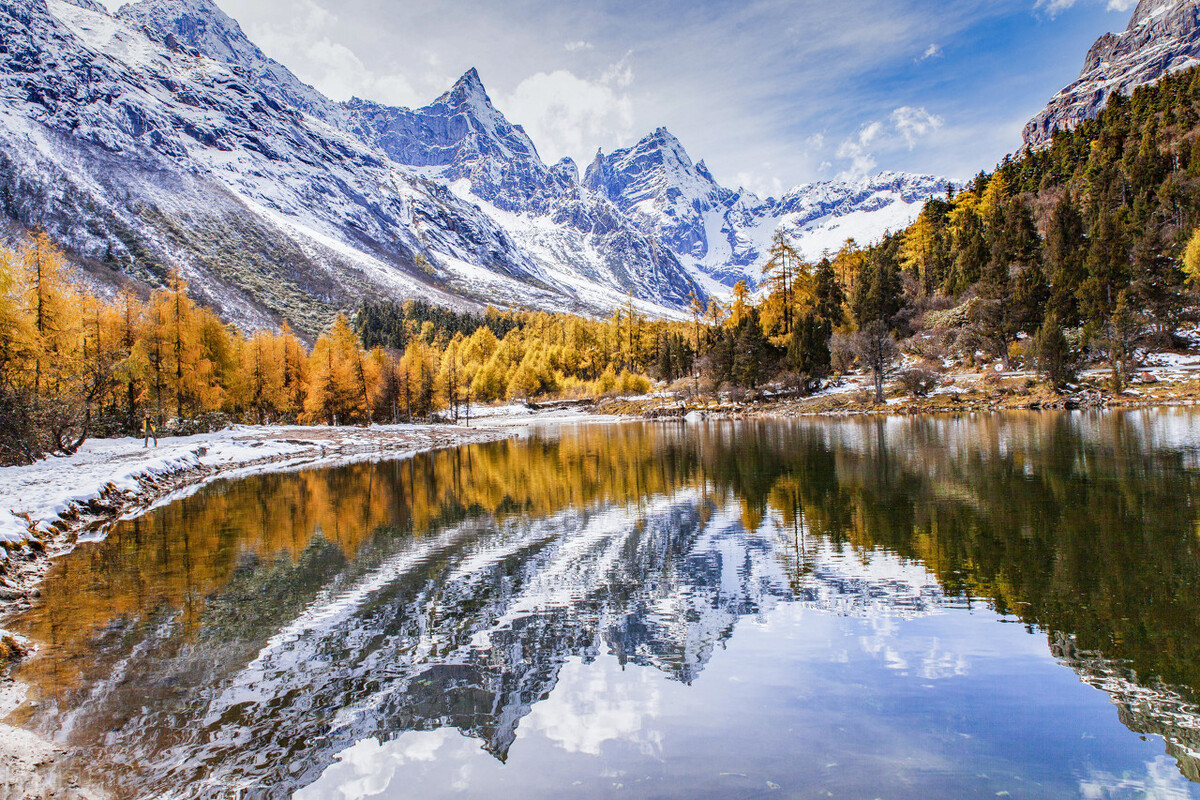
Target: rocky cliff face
{"points": [[1163, 36]]}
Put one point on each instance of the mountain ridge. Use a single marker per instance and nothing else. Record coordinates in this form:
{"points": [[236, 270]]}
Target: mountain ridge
{"points": [[161, 137], [725, 233]]}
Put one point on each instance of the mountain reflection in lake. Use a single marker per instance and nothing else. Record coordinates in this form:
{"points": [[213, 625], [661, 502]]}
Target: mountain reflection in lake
{"points": [[654, 610]]}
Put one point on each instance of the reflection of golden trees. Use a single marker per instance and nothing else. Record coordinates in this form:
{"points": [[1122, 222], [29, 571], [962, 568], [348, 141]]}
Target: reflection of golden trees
{"points": [[1074, 523], [179, 555]]}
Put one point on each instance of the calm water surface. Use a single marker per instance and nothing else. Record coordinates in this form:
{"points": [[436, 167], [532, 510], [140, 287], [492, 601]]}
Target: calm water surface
{"points": [[977, 606]]}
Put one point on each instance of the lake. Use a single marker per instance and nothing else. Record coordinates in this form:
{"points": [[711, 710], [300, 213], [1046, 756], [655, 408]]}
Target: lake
{"points": [[972, 606]]}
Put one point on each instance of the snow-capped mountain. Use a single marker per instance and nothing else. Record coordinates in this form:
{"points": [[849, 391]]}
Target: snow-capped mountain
{"points": [[1163, 36], [462, 140], [461, 136], [162, 138], [657, 184], [724, 234]]}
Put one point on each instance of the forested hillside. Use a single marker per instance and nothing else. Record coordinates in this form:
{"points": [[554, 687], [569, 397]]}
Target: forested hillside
{"points": [[1086, 238], [1079, 253], [1072, 255]]}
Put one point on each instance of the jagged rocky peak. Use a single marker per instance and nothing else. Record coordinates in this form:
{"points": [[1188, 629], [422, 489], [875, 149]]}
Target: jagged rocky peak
{"points": [[468, 98], [566, 170], [467, 90], [460, 126], [461, 135], [665, 147], [1163, 36], [657, 168], [658, 185]]}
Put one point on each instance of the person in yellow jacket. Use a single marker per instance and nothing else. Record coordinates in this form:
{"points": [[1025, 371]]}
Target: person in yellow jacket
{"points": [[149, 431]]}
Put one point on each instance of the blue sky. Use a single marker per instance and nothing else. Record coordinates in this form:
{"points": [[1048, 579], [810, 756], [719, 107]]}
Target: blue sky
{"points": [[769, 93]]}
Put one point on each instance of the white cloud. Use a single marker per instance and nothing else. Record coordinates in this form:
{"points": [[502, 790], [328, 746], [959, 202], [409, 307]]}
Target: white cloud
{"points": [[299, 39], [1053, 7], [907, 126], [619, 74], [571, 47], [857, 149], [861, 160], [870, 133], [760, 185], [567, 115], [933, 51], [915, 124]]}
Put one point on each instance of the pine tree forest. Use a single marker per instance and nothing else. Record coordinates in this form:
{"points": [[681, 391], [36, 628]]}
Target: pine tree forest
{"points": [[1084, 253]]}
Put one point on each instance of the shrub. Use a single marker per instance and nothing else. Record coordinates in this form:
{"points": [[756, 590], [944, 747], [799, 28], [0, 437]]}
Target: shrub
{"points": [[842, 352], [632, 383], [918, 382]]}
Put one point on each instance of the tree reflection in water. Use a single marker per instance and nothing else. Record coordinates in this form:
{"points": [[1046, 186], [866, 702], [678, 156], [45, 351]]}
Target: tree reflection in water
{"points": [[247, 635]]}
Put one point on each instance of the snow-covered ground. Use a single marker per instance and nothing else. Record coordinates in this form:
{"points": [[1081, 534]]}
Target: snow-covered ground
{"points": [[517, 415], [41, 494]]}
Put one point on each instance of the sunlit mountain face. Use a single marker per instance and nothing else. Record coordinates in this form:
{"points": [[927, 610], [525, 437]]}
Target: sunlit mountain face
{"points": [[925, 607]]}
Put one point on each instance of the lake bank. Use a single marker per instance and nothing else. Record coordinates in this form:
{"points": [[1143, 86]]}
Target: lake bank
{"points": [[46, 506], [852, 396]]}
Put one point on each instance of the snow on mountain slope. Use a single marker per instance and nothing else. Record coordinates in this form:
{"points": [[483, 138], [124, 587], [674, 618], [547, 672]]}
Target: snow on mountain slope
{"points": [[724, 234], [147, 157], [204, 28], [462, 139], [162, 138], [1163, 36]]}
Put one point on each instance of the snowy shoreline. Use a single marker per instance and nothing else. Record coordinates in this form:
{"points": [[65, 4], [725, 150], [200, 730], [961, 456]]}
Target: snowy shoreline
{"points": [[47, 506]]}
